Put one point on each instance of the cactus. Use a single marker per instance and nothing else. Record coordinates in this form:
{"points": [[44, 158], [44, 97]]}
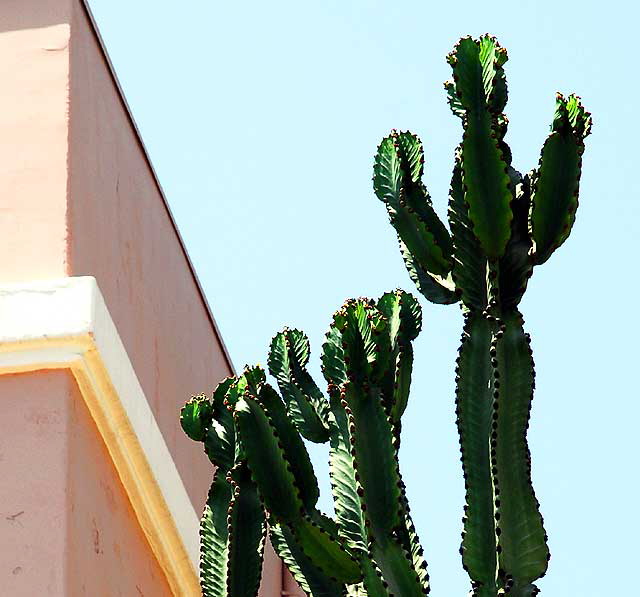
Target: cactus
{"points": [[233, 525], [501, 225], [253, 434]]}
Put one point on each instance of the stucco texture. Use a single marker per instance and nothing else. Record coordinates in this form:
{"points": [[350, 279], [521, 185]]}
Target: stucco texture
{"points": [[67, 524]]}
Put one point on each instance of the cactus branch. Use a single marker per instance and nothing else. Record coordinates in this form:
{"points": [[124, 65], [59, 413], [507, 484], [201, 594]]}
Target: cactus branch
{"points": [[306, 405], [556, 182], [311, 579], [474, 412], [470, 263], [521, 539], [476, 66], [247, 531]]}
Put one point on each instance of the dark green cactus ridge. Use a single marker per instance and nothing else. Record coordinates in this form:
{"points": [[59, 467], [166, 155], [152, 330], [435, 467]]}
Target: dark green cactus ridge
{"points": [[501, 225]]}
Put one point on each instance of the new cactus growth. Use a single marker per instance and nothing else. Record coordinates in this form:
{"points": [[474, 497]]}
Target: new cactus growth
{"points": [[501, 225]]}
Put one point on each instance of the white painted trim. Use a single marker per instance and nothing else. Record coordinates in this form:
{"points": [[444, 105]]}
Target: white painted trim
{"points": [[66, 324]]}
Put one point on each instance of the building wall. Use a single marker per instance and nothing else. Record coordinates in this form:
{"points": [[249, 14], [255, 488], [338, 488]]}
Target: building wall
{"points": [[107, 552], [79, 197], [67, 524], [34, 70], [122, 234], [33, 465]]}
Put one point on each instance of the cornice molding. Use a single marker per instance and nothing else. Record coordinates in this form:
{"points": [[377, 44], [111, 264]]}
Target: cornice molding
{"points": [[65, 324]]}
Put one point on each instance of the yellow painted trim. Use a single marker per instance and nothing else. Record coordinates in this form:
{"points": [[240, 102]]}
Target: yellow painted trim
{"points": [[124, 447]]}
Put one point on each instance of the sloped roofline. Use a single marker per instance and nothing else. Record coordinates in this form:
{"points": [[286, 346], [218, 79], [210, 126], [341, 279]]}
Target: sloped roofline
{"points": [[123, 99]]}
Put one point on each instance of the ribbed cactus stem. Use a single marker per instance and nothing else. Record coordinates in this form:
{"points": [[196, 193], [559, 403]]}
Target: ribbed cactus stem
{"points": [[233, 526], [502, 225]]}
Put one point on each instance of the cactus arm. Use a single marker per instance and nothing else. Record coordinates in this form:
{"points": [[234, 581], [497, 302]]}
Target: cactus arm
{"points": [[333, 366], [408, 538], [349, 514], [220, 396], [397, 569], [247, 533], [269, 466], [404, 316], [365, 344], [365, 475], [319, 541], [306, 405], [294, 449], [311, 579], [474, 411], [469, 264], [484, 170], [402, 382], [435, 289], [404, 321], [232, 532], [523, 552], [209, 422], [214, 535], [219, 445], [424, 242], [487, 186], [378, 476], [196, 416], [375, 461], [281, 467], [299, 359], [516, 265], [411, 154], [410, 209], [556, 183]]}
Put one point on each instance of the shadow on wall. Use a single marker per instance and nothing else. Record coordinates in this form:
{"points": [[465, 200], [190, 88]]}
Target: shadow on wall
{"points": [[18, 14]]}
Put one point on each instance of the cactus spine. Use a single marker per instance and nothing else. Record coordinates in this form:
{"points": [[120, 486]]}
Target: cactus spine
{"points": [[501, 225]]}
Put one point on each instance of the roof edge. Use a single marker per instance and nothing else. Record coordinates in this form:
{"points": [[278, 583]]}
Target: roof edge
{"points": [[123, 99]]}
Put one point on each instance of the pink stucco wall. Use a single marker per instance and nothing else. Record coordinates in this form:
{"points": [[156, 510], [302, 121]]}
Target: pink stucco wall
{"points": [[34, 70], [78, 197], [67, 525], [121, 233], [33, 504]]}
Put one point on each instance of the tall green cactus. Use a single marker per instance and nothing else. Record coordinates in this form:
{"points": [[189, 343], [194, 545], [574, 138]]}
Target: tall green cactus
{"points": [[501, 224]]}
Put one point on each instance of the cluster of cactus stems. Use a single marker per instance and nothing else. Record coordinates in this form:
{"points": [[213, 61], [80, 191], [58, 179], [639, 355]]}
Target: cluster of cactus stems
{"points": [[501, 225]]}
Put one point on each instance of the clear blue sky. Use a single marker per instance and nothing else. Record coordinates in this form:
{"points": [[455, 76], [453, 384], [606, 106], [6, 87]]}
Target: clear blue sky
{"points": [[262, 119]]}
